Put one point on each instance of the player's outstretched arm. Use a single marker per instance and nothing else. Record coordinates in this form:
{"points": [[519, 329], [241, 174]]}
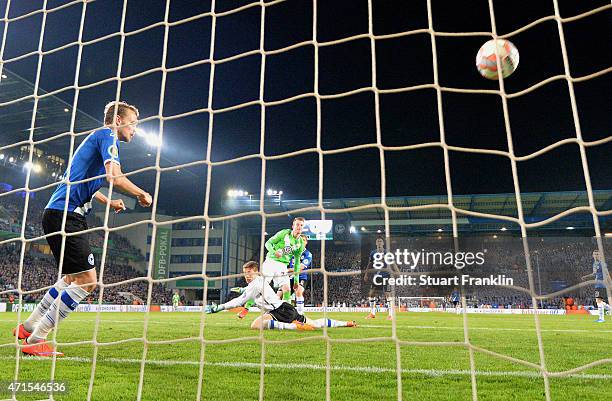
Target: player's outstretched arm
{"points": [[238, 290], [116, 204], [234, 303], [115, 176]]}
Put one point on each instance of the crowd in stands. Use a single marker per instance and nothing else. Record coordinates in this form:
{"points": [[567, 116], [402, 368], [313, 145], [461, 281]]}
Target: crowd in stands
{"points": [[11, 215], [556, 264], [40, 271], [117, 243]]}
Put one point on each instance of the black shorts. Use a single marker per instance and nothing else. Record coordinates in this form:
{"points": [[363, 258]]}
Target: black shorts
{"points": [[77, 252], [287, 313]]}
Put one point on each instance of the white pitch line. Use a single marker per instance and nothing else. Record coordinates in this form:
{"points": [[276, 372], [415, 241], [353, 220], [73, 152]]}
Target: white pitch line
{"points": [[399, 326], [308, 366]]}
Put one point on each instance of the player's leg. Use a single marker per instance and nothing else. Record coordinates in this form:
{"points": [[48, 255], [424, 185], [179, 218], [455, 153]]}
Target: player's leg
{"points": [[49, 298], [600, 310], [390, 303], [282, 282], [299, 299], [79, 267], [269, 270], [80, 286], [600, 294], [51, 222], [319, 323], [276, 272], [372, 302], [283, 318], [261, 322], [390, 297]]}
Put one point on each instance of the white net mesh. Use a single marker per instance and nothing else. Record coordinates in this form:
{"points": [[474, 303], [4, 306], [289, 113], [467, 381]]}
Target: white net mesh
{"points": [[37, 95]]}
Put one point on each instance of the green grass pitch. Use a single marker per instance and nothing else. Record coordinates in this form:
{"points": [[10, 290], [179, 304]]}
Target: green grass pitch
{"points": [[360, 370]]}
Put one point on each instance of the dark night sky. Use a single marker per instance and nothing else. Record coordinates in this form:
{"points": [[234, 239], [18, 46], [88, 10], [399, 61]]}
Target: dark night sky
{"points": [[537, 119]]}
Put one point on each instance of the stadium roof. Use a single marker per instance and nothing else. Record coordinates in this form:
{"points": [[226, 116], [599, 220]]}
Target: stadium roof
{"points": [[537, 206], [52, 114]]}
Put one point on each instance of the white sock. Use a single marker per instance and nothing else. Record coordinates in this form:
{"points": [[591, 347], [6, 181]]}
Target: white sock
{"points": [[299, 304], [600, 308], [329, 323], [68, 301], [274, 325], [373, 307], [30, 323]]}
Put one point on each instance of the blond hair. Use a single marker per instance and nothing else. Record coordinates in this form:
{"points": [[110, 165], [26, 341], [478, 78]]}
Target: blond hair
{"points": [[121, 107], [251, 265]]}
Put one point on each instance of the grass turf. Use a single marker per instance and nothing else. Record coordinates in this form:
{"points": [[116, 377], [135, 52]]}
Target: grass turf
{"points": [[360, 370]]}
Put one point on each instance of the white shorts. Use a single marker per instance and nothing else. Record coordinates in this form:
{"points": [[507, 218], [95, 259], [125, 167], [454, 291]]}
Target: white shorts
{"points": [[276, 272]]}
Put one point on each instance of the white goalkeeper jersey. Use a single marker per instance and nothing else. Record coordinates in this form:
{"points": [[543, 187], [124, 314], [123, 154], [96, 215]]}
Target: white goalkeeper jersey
{"points": [[260, 292]]}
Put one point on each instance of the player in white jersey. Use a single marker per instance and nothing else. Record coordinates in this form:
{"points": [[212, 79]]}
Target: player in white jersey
{"points": [[601, 275], [279, 315], [97, 156]]}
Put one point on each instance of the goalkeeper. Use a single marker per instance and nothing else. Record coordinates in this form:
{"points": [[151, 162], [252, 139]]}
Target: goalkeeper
{"points": [[298, 286], [282, 247], [279, 315]]}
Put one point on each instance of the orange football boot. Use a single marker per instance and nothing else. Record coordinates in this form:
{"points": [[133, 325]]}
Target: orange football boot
{"points": [[39, 349], [21, 332]]}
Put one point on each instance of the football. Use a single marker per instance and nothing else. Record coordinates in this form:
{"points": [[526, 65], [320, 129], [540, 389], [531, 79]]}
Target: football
{"points": [[486, 62]]}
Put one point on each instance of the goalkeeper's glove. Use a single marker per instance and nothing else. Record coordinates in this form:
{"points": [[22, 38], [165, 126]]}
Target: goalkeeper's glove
{"points": [[238, 290], [214, 308]]}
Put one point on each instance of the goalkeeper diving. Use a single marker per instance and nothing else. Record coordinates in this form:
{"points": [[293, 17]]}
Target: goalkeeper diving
{"points": [[279, 315]]}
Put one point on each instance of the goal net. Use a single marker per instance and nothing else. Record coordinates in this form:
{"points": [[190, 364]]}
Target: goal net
{"points": [[147, 351]]}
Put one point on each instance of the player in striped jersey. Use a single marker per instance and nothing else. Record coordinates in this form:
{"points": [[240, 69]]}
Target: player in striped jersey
{"points": [[97, 156], [601, 275], [455, 299]]}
